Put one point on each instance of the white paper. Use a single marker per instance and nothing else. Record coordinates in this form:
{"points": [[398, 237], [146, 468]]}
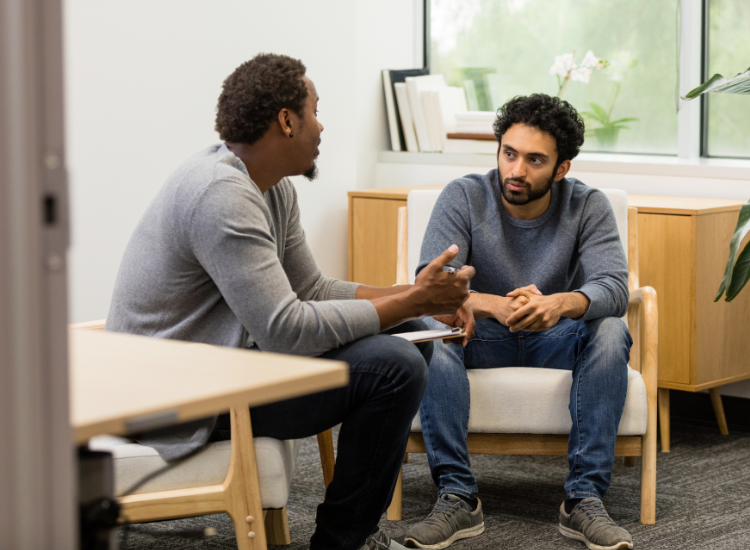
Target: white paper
{"points": [[428, 334]]}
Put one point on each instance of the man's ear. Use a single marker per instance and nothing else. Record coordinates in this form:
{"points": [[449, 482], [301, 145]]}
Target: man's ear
{"points": [[285, 122], [563, 169]]}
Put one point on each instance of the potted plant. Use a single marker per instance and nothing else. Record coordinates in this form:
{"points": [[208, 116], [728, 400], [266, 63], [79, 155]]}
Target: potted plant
{"points": [[737, 271]]}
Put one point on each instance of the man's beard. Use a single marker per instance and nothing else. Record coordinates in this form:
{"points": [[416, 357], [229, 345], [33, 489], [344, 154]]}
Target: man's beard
{"points": [[519, 198], [312, 173]]}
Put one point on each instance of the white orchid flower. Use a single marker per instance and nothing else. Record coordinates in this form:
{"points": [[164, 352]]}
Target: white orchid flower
{"points": [[563, 65], [582, 73], [590, 61]]}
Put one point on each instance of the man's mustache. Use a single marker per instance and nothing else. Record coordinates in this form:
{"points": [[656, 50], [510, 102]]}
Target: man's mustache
{"points": [[506, 181]]}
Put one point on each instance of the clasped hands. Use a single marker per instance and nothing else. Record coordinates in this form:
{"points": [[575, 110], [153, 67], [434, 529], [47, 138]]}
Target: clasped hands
{"points": [[526, 308]]}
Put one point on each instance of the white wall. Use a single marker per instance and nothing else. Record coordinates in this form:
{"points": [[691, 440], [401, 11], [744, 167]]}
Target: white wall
{"points": [[142, 79]]}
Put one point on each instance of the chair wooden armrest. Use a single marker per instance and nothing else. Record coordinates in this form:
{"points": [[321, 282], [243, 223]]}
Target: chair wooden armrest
{"points": [[643, 319]]}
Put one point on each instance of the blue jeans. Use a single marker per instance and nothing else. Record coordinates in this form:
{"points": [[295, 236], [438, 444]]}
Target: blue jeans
{"points": [[387, 377], [596, 351]]}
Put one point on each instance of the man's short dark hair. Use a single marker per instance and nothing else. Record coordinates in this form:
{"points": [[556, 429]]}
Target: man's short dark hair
{"points": [[549, 114], [255, 92]]}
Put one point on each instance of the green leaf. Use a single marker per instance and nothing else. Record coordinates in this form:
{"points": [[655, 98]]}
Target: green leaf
{"points": [[740, 274], [743, 227], [740, 84], [599, 110], [629, 119]]}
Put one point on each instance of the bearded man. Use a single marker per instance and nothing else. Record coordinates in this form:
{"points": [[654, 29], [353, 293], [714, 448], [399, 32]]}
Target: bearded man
{"points": [[551, 284], [220, 257]]}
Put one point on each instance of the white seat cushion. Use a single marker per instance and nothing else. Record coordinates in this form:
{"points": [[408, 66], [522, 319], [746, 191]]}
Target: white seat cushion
{"points": [[535, 401], [209, 467]]}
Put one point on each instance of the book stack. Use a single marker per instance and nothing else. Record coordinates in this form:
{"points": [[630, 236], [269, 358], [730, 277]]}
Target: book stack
{"points": [[426, 115], [474, 134], [421, 109]]}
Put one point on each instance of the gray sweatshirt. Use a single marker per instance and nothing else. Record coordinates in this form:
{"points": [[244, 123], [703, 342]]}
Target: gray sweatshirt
{"points": [[573, 246], [216, 261]]}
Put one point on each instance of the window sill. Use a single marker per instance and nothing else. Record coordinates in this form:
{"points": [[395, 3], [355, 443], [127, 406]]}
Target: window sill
{"points": [[736, 169]]}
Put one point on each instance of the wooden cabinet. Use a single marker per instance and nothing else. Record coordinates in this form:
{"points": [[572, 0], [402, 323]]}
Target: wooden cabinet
{"points": [[683, 246]]}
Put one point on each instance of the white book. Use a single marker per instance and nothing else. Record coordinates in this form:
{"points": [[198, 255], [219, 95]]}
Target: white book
{"points": [[390, 108], [472, 146], [415, 86], [433, 118], [451, 101], [407, 122]]}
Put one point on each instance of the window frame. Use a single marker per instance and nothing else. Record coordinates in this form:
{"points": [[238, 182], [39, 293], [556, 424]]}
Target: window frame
{"points": [[692, 116]]}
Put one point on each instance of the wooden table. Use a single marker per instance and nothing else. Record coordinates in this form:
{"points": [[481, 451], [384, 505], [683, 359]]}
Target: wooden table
{"points": [[121, 383], [683, 248]]}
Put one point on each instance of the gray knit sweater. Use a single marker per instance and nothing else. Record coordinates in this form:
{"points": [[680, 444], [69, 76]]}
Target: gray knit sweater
{"points": [[573, 246], [216, 261]]}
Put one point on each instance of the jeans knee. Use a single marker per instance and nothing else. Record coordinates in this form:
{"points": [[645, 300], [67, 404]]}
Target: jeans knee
{"points": [[612, 332], [412, 371]]}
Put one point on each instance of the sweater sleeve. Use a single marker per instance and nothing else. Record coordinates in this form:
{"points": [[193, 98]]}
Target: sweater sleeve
{"points": [[449, 224], [603, 259], [231, 236], [300, 265]]}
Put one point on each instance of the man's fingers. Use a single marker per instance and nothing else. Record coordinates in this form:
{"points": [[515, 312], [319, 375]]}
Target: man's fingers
{"points": [[523, 291], [521, 317], [444, 259], [467, 272]]}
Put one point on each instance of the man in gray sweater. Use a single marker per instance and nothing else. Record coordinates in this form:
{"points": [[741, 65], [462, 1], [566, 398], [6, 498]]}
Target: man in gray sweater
{"points": [[551, 284], [220, 257]]}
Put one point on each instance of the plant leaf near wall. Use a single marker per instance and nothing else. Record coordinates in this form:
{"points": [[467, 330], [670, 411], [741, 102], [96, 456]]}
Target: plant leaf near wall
{"points": [[740, 84], [737, 271]]}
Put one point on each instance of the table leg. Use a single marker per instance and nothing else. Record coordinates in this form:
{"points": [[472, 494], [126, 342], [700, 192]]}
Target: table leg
{"points": [[664, 419], [719, 410]]}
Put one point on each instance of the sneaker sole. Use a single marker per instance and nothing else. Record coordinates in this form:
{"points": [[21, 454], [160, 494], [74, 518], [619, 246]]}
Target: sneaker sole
{"points": [[573, 534], [458, 535]]}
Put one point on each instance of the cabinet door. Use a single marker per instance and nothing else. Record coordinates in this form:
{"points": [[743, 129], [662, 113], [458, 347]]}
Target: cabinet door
{"points": [[666, 253], [373, 239]]}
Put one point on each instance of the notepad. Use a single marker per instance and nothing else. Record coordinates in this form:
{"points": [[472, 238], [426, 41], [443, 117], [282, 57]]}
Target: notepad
{"points": [[428, 335]]}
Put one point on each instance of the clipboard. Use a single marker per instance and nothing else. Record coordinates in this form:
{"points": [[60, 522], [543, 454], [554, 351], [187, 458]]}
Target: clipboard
{"points": [[419, 336]]}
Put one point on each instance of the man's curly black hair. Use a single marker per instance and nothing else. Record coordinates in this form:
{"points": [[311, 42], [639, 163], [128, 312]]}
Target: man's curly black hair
{"points": [[255, 92], [549, 114]]}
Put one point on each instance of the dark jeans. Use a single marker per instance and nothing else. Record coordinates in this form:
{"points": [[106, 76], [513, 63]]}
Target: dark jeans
{"points": [[596, 351], [387, 379]]}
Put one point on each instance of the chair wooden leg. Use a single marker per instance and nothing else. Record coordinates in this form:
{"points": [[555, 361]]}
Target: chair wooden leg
{"points": [[664, 419], [242, 495], [648, 477], [327, 458], [719, 410], [394, 510], [406, 458], [277, 527], [629, 460]]}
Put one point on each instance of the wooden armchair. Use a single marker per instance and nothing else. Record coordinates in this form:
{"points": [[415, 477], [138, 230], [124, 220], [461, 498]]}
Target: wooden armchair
{"points": [[637, 434], [195, 487]]}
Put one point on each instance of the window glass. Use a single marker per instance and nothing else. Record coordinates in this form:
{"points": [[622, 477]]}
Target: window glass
{"points": [[497, 49], [728, 54]]}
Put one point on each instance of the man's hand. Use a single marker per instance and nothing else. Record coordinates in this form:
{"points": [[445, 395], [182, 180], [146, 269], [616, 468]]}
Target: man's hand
{"points": [[543, 312], [435, 292], [441, 292], [463, 318]]}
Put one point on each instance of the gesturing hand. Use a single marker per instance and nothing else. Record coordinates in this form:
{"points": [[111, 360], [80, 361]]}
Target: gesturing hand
{"points": [[463, 318], [441, 292]]}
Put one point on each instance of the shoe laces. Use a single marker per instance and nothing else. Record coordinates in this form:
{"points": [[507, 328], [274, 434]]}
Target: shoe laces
{"points": [[593, 508], [444, 507], [378, 541]]}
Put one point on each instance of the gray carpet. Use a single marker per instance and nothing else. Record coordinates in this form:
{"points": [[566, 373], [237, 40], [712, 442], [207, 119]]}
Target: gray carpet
{"points": [[703, 500]]}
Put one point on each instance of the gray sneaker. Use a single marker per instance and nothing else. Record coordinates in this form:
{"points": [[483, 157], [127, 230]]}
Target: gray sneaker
{"points": [[590, 523], [450, 520], [381, 541]]}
